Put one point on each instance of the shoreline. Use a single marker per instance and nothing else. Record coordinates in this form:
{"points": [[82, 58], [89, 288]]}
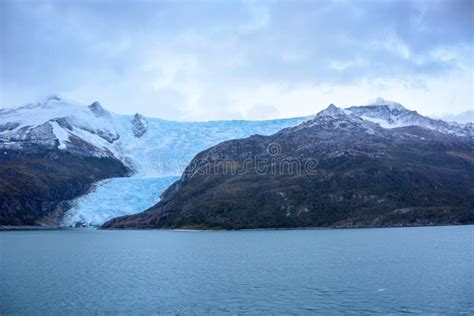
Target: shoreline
{"points": [[27, 227], [190, 230]]}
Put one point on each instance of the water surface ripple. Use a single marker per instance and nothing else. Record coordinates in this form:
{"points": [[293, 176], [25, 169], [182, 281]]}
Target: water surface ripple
{"points": [[397, 270]]}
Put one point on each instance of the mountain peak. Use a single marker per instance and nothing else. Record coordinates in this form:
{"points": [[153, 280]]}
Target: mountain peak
{"points": [[98, 110], [331, 110]]}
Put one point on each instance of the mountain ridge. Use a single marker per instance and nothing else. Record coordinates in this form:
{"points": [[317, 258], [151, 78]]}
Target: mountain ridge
{"points": [[151, 147], [366, 176]]}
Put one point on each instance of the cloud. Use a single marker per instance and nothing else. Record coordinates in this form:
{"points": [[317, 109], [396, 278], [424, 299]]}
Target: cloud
{"points": [[220, 60], [262, 112]]}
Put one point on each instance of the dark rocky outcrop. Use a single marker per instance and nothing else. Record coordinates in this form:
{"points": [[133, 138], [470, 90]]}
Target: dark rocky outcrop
{"points": [[336, 170], [35, 184], [98, 110], [140, 125]]}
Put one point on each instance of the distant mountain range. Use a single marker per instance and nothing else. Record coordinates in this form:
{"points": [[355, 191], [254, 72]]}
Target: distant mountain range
{"points": [[54, 151]]}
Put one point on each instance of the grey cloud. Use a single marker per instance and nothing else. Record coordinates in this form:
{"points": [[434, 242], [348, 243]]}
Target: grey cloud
{"points": [[107, 47]]}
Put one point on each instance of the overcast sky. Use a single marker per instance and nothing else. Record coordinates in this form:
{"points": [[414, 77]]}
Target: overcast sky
{"points": [[204, 60]]}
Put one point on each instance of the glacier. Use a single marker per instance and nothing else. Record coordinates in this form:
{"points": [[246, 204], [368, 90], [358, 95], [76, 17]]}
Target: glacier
{"points": [[116, 197], [166, 147]]}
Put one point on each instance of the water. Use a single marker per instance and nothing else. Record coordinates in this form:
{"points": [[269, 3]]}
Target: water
{"points": [[398, 270]]}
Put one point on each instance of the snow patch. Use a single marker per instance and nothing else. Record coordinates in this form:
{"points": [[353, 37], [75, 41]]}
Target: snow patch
{"points": [[61, 135], [383, 123]]}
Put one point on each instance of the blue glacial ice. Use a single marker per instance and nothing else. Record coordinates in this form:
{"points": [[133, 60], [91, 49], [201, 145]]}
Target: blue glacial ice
{"points": [[116, 197]]}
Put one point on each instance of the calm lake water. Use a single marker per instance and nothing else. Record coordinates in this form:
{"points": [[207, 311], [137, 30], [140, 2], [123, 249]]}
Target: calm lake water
{"points": [[398, 270]]}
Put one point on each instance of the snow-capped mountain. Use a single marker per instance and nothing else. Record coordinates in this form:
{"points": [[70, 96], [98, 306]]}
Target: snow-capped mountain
{"points": [[152, 146], [338, 120], [335, 170], [159, 150], [67, 125], [389, 114], [149, 146]]}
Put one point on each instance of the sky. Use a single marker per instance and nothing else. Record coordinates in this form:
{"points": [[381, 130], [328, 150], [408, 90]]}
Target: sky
{"points": [[208, 60]]}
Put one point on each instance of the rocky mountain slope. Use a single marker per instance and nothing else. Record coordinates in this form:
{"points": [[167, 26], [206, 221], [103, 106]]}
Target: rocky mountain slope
{"points": [[36, 185], [358, 167]]}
